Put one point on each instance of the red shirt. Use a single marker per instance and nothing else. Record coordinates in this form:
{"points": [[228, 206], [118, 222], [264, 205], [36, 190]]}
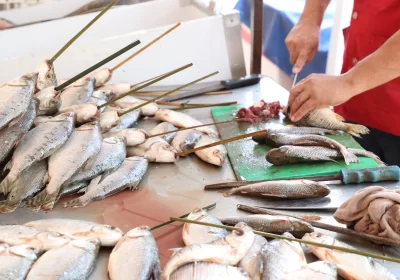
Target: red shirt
{"points": [[372, 23]]}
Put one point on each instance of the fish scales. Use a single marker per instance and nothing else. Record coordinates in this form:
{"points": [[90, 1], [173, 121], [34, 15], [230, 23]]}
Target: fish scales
{"points": [[133, 136], [16, 261], [252, 261], [207, 270], [320, 270], [76, 94], [162, 128]]}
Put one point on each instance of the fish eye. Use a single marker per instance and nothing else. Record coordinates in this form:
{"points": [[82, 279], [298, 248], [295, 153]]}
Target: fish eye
{"points": [[49, 76]]}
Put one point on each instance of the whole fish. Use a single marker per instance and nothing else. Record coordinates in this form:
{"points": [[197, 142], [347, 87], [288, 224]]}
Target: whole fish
{"points": [[15, 97], [108, 235], [9, 136], [16, 261], [350, 266], [117, 88], [295, 154], [31, 181], [143, 265], [128, 102], [46, 75], [229, 251], [252, 262], [182, 120], [186, 140], [111, 156], [311, 140], [24, 235], [154, 149], [208, 270], [197, 234], [74, 188], [101, 76], [108, 120], [162, 128], [283, 189], [316, 271], [281, 257], [84, 113], [49, 101], [84, 143], [133, 136], [272, 224], [128, 175], [215, 155], [38, 144], [127, 120], [76, 94], [74, 260]]}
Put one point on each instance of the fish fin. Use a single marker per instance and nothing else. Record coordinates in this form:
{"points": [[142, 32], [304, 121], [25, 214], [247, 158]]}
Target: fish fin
{"points": [[339, 117], [6, 207], [6, 186], [15, 120], [83, 190], [367, 154], [275, 195], [356, 129], [323, 158], [43, 201], [349, 157], [76, 203], [106, 173], [228, 193], [175, 250], [134, 186]]}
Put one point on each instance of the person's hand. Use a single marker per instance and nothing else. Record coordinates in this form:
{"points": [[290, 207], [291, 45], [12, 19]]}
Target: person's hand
{"points": [[318, 91], [302, 43], [4, 24]]}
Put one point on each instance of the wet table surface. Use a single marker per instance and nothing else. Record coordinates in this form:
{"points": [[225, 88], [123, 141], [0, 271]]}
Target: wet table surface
{"points": [[175, 189]]}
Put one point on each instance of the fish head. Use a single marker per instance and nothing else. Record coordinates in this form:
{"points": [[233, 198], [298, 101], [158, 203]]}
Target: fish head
{"points": [[51, 239], [88, 244], [318, 237], [279, 156], [139, 232], [26, 251], [300, 226], [197, 214], [242, 238], [108, 235], [114, 140], [25, 80], [104, 94], [46, 75], [161, 152]]}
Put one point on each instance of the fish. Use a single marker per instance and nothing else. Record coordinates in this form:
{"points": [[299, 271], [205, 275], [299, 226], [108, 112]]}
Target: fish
{"points": [[106, 234], [215, 155], [197, 234], [349, 266], [295, 154], [101, 76], [320, 270], [143, 265], [281, 257], [228, 251], [83, 145], [311, 140], [162, 128], [38, 144], [78, 187], [292, 189], [74, 260], [271, 224], [127, 120], [128, 102], [117, 88], [133, 136], [185, 140], [326, 118], [9, 136], [31, 181], [49, 101], [154, 149], [208, 270], [84, 113], [16, 261], [15, 235], [46, 75], [111, 156], [182, 120], [103, 94], [128, 175], [76, 94], [252, 261], [98, 102], [108, 120], [16, 96]]}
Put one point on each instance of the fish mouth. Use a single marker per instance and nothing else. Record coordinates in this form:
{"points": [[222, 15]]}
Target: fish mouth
{"points": [[276, 157]]}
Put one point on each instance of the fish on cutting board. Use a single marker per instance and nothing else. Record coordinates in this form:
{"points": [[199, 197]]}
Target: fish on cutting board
{"points": [[252, 261], [215, 155], [106, 234], [155, 149], [78, 93], [320, 270], [46, 75], [291, 189], [186, 140], [49, 101], [143, 264], [162, 128], [208, 270], [133, 136]]}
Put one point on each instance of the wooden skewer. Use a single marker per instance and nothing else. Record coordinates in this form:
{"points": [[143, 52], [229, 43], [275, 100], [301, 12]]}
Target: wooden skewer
{"points": [[145, 47], [373, 238], [187, 107], [70, 42], [184, 153]]}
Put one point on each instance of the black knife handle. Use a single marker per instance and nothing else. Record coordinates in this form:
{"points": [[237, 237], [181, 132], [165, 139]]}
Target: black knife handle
{"points": [[245, 81]]}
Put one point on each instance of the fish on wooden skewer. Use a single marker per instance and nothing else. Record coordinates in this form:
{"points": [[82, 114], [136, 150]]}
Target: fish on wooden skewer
{"points": [[162, 128], [46, 75], [252, 262], [128, 102], [186, 140], [143, 265], [133, 136], [101, 76], [208, 270], [78, 93], [103, 94], [49, 101], [84, 113], [128, 175], [126, 120], [215, 155], [117, 88], [320, 270], [108, 120], [155, 149]]}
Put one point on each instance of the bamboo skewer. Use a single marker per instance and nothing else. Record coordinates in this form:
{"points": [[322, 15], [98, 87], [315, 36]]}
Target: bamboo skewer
{"points": [[184, 153], [187, 107], [73, 39], [275, 236], [373, 238]]}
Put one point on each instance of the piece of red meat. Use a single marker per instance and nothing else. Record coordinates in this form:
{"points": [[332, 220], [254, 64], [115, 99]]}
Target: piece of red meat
{"points": [[260, 111]]}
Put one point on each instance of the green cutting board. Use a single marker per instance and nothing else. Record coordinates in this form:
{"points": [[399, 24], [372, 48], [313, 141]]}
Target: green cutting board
{"points": [[248, 157]]}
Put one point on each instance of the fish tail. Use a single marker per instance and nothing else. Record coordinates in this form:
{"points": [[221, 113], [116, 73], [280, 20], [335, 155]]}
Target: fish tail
{"points": [[43, 201], [6, 207], [7, 185], [364, 153], [227, 193], [76, 203], [349, 157], [356, 129]]}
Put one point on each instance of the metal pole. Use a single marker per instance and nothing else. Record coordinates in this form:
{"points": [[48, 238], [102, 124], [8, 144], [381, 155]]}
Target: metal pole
{"points": [[257, 15]]}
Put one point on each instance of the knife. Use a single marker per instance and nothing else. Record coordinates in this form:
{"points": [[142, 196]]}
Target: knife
{"points": [[328, 208]]}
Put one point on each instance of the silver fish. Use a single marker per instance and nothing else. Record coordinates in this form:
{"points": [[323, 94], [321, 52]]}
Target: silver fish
{"points": [[252, 262], [24, 235], [208, 270], [272, 224], [215, 155], [98, 102], [103, 94], [128, 175], [74, 188], [154, 149], [74, 260], [49, 101], [143, 265], [31, 181], [196, 234], [101, 76], [15, 98], [133, 136], [84, 113], [127, 102], [162, 128], [186, 140], [228, 251], [117, 88], [84, 143], [108, 235], [47, 76], [16, 261], [350, 266], [76, 94], [127, 120], [38, 144], [108, 120], [9, 136], [316, 271], [281, 257]]}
